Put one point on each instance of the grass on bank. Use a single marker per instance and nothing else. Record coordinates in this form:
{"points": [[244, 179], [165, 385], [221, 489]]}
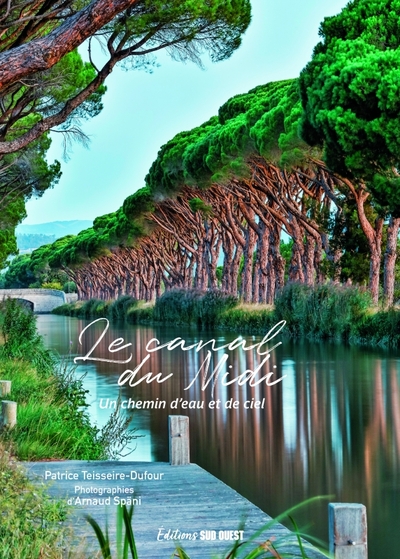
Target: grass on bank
{"points": [[124, 308], [323, 312], [52, 419], [29, 520]]}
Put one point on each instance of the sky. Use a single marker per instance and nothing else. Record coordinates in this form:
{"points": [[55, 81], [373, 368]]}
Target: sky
{"points": [[143, 111]]}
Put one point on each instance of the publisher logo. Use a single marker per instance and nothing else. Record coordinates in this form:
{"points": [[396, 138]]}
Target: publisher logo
{"points": [[203, 535]]}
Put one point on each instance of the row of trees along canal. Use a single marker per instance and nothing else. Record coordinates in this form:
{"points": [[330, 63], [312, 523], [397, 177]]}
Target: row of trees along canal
{"points": [[315, 157]]}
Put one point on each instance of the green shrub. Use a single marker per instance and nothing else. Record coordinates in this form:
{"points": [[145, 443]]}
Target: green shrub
{"points": [[381, 328], [69, 287], [29, 519], [322, 312], [247, 319], [93, 308], [21, 340], [140, 315], [187, 306], [118, 310], [69, 309], [52, 285]]}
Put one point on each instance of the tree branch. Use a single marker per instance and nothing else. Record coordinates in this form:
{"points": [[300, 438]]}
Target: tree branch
{"points": [[41, 54]]}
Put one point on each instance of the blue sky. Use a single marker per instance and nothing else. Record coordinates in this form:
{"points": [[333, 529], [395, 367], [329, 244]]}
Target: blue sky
{"points": [[143, 111]]}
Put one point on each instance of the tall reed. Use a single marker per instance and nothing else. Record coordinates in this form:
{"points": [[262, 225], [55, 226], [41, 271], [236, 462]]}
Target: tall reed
{"points": [[192, 306], [326, 311]]}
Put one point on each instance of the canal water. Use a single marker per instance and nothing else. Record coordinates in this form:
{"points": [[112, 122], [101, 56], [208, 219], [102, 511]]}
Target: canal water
{"points": [[328, 424]]}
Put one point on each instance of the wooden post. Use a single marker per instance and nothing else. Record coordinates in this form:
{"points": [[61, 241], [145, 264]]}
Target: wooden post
{"points": [[5, 387], [179, 447], [348, 531], [8, 414]]}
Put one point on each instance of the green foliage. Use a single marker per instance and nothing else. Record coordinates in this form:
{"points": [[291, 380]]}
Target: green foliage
{"points": [[379, 329], [71, 90], [68, 309], [169, 171], [30, 520], [324, 312], [93, 308], [51, 421], [124, 526], [248, 319], [286, 252], [138, 204], [198, 205], [21, 340], [33, 270], [124, 308], [52, 417], [181, 306], [263, 121], [109, 231], [69, 287], [22, 175], [52, 285], [118, 310], [13, 212], [215, 26], [141, 314], [349, 94], [348, 238], [19, 273]]}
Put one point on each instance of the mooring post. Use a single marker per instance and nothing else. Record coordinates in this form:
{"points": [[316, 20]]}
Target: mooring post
{"points": [[5, 387], [8, 414], [348, 531], [179, 444]]}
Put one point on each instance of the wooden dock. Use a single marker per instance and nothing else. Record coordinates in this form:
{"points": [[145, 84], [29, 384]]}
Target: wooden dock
{"points": [[179, 503], [175, 503]]}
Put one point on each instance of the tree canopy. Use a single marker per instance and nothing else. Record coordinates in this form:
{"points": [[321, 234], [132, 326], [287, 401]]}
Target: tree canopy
{"points": [[349, 94], [263, 121], [37, 39]]}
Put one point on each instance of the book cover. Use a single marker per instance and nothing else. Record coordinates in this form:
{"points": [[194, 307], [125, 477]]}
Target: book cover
{"points": [[215, 290]]}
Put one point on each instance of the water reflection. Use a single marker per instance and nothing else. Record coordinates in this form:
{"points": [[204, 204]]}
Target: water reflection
{"points": [[332, 426]]}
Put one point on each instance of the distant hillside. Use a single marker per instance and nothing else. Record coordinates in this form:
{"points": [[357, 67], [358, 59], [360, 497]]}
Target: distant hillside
{"points": [[56, 228], [27, 243]]}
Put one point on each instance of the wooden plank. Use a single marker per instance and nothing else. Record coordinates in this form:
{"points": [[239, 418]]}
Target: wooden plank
{"points": [[179, 444], [348, 531], [5, 387], [183, 503], [8, 413]]}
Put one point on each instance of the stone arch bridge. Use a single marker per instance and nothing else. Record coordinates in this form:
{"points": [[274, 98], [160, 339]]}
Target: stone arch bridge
{"points": [[38, 300]]}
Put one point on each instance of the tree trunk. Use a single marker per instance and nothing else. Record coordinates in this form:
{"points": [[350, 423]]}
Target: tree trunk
{"points": [[308, 260], [247, 275], [390, 261], [43, 53], [375, 243], [373, 235]]}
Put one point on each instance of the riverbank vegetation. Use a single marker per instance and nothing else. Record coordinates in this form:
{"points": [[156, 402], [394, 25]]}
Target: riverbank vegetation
{"points": [[52, 419], [30, 522]]}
